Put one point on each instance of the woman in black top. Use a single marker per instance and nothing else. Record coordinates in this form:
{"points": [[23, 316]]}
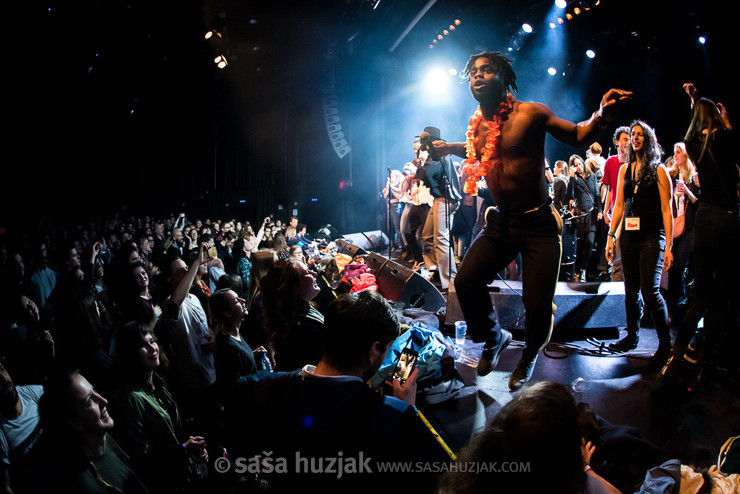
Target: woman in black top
{"points": [[583, 189], [294, 327], [712, 145], [234, 359], [644, 221], [235, 364]]}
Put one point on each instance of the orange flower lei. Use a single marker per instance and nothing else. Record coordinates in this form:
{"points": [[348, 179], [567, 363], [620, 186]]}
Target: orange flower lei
{"points": [[472, 167]]}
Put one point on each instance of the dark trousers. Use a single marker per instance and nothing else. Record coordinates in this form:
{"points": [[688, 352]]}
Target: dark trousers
{"points": [[585, 245], [683, 249], [537, 237], [716, 270], [642, 267], [414, 224]]}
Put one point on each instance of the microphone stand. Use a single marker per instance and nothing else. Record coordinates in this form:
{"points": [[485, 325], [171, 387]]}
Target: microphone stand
{"points": [[448, 220], [390, 234]]}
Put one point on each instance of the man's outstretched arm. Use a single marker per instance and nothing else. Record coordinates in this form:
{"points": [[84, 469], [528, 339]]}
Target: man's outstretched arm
{"points": [[583, 133]]}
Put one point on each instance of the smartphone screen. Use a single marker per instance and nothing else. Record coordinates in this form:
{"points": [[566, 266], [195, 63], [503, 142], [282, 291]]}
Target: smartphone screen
{"points": [[406, 364]]}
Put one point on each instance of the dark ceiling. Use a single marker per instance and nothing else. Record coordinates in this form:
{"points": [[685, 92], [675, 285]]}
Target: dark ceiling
{"points": [[121, 103]]}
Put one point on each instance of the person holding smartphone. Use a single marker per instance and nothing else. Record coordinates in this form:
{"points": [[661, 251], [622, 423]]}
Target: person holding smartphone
{"points": [[326, 409]]}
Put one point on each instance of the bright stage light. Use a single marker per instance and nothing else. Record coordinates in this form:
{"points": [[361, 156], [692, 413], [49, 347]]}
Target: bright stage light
{"points": [[526, 28], [561, 4], [552, 71], [590, 53], [436, 81], [702, 39]]}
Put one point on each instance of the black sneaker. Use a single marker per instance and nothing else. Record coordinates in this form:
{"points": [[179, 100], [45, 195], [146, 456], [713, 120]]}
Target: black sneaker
{"points": [[489, 357], [626, 344], [522, 373]]}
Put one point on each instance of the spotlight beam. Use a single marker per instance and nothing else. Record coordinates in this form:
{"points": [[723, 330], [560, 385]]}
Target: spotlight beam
{"points": [[411, 25]]}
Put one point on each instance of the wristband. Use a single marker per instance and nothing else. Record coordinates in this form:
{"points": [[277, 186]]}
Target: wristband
{"points": [[612, 234]]}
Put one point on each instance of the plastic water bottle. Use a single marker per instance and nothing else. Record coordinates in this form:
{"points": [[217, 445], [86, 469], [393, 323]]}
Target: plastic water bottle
{"points": [[578, 385], [262, 359]]}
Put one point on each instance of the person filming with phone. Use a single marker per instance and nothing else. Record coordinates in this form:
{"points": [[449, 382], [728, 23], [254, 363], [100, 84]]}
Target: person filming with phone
{"points": [[328, 410]]}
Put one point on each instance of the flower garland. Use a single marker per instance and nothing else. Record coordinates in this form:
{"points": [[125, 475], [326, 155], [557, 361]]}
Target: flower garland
{"points": [[472, 167]]}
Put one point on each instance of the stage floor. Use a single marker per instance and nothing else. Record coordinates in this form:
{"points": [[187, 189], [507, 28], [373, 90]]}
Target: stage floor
{"points": [[620, 390]]}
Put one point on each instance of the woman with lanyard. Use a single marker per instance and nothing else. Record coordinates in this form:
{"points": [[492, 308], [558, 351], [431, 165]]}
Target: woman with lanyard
{"points": [[711, 145], [644, 220]]}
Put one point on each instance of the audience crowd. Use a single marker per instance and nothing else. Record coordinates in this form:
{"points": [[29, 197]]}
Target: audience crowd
{"points": [[143, 354]]}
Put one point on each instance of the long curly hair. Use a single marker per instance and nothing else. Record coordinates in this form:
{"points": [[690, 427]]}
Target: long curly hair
{"points": [[280, 304], [651, 153]]}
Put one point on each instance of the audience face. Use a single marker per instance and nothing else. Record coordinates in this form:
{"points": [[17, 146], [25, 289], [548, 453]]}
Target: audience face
{"points": [[73, 258], [306, 288], [43, 253], [149, 352], [17, 266], [623, 143], [579, 167], [141, 277], [134, 257], [637, 139], [147, 245], [90, 410], [8, 393], [678, 156], [202, 270], [29, 309], [236, 307], [178, 268]]}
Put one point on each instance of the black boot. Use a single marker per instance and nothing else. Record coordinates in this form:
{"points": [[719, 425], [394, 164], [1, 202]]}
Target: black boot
{"points": [[627, 343], [660, 357]]}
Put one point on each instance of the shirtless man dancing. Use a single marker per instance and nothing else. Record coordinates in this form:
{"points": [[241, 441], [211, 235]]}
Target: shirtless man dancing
{"points": [[506, 146]]}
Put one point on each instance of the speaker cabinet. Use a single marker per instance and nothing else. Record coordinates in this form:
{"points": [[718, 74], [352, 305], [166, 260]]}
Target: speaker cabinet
{"points": [[580, 306], [350, 249], [374, 240], [400, 284]]}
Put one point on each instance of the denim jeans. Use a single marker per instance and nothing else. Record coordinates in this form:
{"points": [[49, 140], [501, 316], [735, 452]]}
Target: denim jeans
{"points": [[537, 237], [642, 267]]}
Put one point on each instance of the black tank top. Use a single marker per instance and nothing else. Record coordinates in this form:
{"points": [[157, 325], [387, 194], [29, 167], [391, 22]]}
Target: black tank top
{"points": [[642, 199]]}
